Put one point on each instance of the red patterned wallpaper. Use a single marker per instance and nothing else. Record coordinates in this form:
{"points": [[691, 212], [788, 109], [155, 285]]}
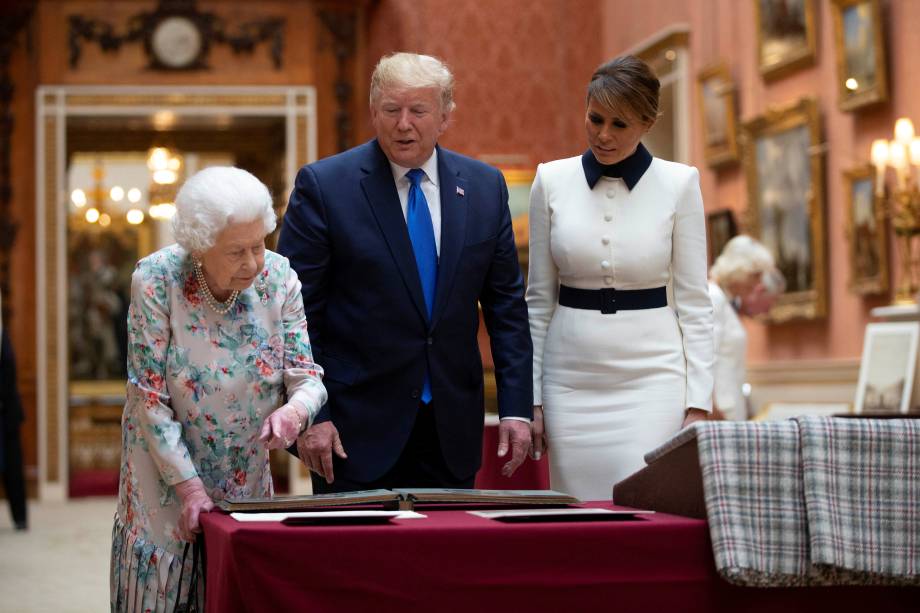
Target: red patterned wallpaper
{"points": [[521, 67]]}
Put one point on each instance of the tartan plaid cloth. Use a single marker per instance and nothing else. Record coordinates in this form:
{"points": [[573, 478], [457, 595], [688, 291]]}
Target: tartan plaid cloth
{"points": [[862, 495], [813, 501]]}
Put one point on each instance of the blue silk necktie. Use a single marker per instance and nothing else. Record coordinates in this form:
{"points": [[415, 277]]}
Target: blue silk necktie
{"points": [[421, 233]]}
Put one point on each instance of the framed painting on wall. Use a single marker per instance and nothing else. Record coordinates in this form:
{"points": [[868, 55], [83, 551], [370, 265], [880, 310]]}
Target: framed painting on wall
{"points": [[786, 36], [784, 169], [862, 77], [866, 233], [887, 368], [720, 228], [519, 181], [716, 97]]}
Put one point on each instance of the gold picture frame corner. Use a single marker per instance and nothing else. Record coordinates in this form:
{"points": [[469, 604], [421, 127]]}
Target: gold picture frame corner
{"points": [[802, 56], [877, 93], [809, 303]]}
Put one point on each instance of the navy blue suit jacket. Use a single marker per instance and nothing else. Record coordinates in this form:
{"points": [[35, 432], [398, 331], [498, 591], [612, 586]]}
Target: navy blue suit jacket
{"points": [[346, 237]]}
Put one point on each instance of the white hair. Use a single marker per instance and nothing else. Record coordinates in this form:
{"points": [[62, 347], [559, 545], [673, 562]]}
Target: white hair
{"points": [[742, 257], [411, 71], [215, 197]]}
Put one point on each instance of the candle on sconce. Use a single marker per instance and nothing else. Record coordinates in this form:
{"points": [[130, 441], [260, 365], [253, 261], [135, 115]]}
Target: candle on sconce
{"points": [[897, 157], [914, 151], [904, 131], [879, 156]]}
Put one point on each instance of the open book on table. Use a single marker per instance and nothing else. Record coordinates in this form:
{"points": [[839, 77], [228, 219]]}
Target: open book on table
{"points": [[421, 495], [397, 498]]}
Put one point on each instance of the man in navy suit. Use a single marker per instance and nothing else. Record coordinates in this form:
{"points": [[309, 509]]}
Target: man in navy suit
{"points": [[397, 243]]}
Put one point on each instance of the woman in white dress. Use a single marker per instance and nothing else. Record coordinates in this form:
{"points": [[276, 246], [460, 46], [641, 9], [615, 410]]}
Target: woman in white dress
{"points": [[743, 281], [216, 337], [619, 366]]}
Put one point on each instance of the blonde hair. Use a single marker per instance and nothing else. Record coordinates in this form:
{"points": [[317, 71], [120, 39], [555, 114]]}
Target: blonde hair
{"points": [[413, 70]]}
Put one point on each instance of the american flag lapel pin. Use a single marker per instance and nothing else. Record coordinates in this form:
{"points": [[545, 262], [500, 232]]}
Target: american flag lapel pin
{"points": [[460, 191]]}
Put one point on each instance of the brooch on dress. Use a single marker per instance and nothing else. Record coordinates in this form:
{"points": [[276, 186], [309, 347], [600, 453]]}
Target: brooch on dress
{"points": [[262, 287]]}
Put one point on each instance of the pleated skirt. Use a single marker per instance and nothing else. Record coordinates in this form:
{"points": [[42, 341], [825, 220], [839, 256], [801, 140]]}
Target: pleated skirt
{"points": [[145, 577]]}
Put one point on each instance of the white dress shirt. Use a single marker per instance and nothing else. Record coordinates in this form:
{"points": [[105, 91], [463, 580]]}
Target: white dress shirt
{"points": [[430, 188]]}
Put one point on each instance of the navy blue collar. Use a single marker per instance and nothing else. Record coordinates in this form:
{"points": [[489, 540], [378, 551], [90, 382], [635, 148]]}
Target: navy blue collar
{"points": [[631, 169]]}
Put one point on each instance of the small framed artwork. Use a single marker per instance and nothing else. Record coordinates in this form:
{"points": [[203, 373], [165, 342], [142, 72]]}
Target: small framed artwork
{"points": [[716, 94], [862, 77], [519, 181], [887, 368], [720, 228], [787, 410], [866, 233], [786, 36], [784, 166]]}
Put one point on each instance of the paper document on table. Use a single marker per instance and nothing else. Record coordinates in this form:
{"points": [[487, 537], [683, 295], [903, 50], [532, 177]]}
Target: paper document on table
{"points": [[576, 514], [326, 515]]}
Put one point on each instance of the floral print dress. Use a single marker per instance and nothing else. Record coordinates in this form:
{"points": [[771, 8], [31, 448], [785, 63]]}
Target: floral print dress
{"points": [[199, 386]]}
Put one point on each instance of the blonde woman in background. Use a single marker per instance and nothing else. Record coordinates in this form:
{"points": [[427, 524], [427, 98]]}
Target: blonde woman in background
{"points": [[743, 281]]}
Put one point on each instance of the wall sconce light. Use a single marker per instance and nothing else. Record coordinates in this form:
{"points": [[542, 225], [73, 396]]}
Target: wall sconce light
{"points": [[901, 203]]}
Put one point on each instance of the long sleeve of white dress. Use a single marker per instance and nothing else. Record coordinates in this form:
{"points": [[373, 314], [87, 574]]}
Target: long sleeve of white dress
{"points": [[691, 292], [542, 280]]}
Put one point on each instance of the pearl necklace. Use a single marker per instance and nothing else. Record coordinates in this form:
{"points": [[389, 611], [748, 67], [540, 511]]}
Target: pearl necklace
{"points": [[221, 308]]}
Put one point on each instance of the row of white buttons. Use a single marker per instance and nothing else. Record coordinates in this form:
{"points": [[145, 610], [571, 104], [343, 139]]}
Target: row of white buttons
{"points": [[606, 239]]}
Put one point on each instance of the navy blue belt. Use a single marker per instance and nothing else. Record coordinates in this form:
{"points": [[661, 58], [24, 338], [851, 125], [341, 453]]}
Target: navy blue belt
{"points": [[610, 300]]}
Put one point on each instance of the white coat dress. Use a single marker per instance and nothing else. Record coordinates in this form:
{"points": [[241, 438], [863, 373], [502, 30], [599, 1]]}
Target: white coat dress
{"points": [[614, 386]]}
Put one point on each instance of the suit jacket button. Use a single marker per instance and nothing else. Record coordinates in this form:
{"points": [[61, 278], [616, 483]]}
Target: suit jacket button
{"points": [[430, 341], [416, 393]]}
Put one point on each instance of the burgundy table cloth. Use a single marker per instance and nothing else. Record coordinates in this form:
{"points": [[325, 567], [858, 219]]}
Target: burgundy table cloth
{"points": [[453, 561], [529, 476]]}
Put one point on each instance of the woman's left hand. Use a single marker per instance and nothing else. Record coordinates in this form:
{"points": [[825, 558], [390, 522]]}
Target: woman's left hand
{"points": [[195, 501], [694, 415], [281, 429]]}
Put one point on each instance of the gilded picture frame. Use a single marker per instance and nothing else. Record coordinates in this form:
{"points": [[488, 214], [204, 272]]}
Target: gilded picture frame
{"points": [[784, 167], [716, 98], [519, 181], [786, 36], [720, 228], [862, 74], [866, 233]]}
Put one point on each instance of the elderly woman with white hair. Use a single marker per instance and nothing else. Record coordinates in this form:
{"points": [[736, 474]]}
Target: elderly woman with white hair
{"points": [[216, 338], [743, 281]]}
